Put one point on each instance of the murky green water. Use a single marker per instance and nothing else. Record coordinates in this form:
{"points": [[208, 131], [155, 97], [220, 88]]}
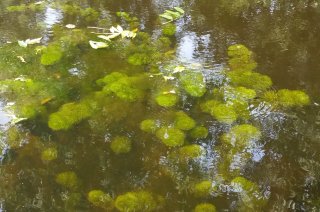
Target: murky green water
{"points": [[219, 106]]}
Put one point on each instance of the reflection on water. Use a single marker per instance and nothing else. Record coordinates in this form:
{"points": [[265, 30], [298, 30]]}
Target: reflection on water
{"points": [[265, 158]]}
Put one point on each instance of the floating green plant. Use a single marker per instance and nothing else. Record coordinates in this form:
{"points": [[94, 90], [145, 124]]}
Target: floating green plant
{"points": [[167, 100], [238, 94], [199, 132], [169, 29], [121, 144], [149, 125], [171, 15], [193, 83], [190, 152], [24, 7], [287, 98], [100, 199], [205, 207], [240, 58], [136, 201], [183, 121], [171, 137], [203, 188], [68, 179], [49, 154], [70, 114], [89, 14], [224, 113], [139, 59], [51, 55], [239, 136], [249, 79]]}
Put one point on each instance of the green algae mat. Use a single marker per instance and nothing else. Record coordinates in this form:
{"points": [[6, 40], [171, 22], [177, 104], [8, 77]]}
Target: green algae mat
{"points": [[140, 106]]}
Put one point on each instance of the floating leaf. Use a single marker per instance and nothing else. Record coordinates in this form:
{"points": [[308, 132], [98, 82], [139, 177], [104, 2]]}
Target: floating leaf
{"points": [[29, 42], [166, 16], [179, 9], [70, 26], [104, 37], [98, 45]]}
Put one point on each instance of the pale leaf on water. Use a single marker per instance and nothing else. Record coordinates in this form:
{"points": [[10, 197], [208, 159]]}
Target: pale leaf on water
{"points": [[98, 45]]}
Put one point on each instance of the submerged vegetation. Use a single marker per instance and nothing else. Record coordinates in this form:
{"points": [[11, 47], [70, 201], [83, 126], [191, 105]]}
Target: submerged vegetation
{"points": [[118, 99]]}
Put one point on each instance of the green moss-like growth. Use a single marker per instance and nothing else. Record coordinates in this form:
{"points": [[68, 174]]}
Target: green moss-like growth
{"points": [[239, 136], [249, 79], [244, 184], [224, 113], [71, 9], [124, 87], [171, 137], [193, 83], [207, 106], [149, 125], [183, 121], [49, 154], [199, 132], [51, 55], [68, 179], [287, 98], [240, 58], [190, 151], [203, 188], [70, 114], [24, 7], [169, 29], [89, 14], [167, 100], [100, 199], [205, 207], [121, 145], [139, 59], [238, 94], [136, 201]]}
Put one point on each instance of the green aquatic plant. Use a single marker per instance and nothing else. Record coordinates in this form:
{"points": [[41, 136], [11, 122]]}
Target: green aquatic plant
{"points": [[121, 144], [244, 184], [183, 121], [193, 83], [89, 14], [70, 114], [287, 98], [24, 7], [239, 136], [136, 201], [51, 55], [190, 151], [240, 58], [71, 9], [249, 79], [167, 99], [171, 137], [100, 199], [169, 29], [224, 113], [203, 188], [68, 179], [110, 78], [49, 154], [238, 94], [149, 125], [205, 207], [207, 106], [199, 132], [171, 15], [139, 59]]}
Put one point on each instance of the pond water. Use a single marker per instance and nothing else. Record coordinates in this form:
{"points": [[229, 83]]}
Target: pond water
{"points": [[148, 105]]}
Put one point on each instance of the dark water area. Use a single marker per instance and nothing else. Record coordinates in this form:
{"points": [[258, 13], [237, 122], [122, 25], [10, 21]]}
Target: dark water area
{"points": [[217, 109]]}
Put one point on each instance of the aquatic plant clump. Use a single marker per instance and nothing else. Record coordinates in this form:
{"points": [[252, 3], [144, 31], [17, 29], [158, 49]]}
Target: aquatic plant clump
{"points": [[203, 188], [167, 100], [169, 29], [224, 113], [100, 199], [205, 207], [249, 79], [240, 58], [199, 132], [240, 135], [68, 179], [183, 121], [190, 151], [51, 55], [287, 98], [170, 136], [136, 201], [193, 83], [70, 114], [49, 154], [121, 145], [149, 125]]}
